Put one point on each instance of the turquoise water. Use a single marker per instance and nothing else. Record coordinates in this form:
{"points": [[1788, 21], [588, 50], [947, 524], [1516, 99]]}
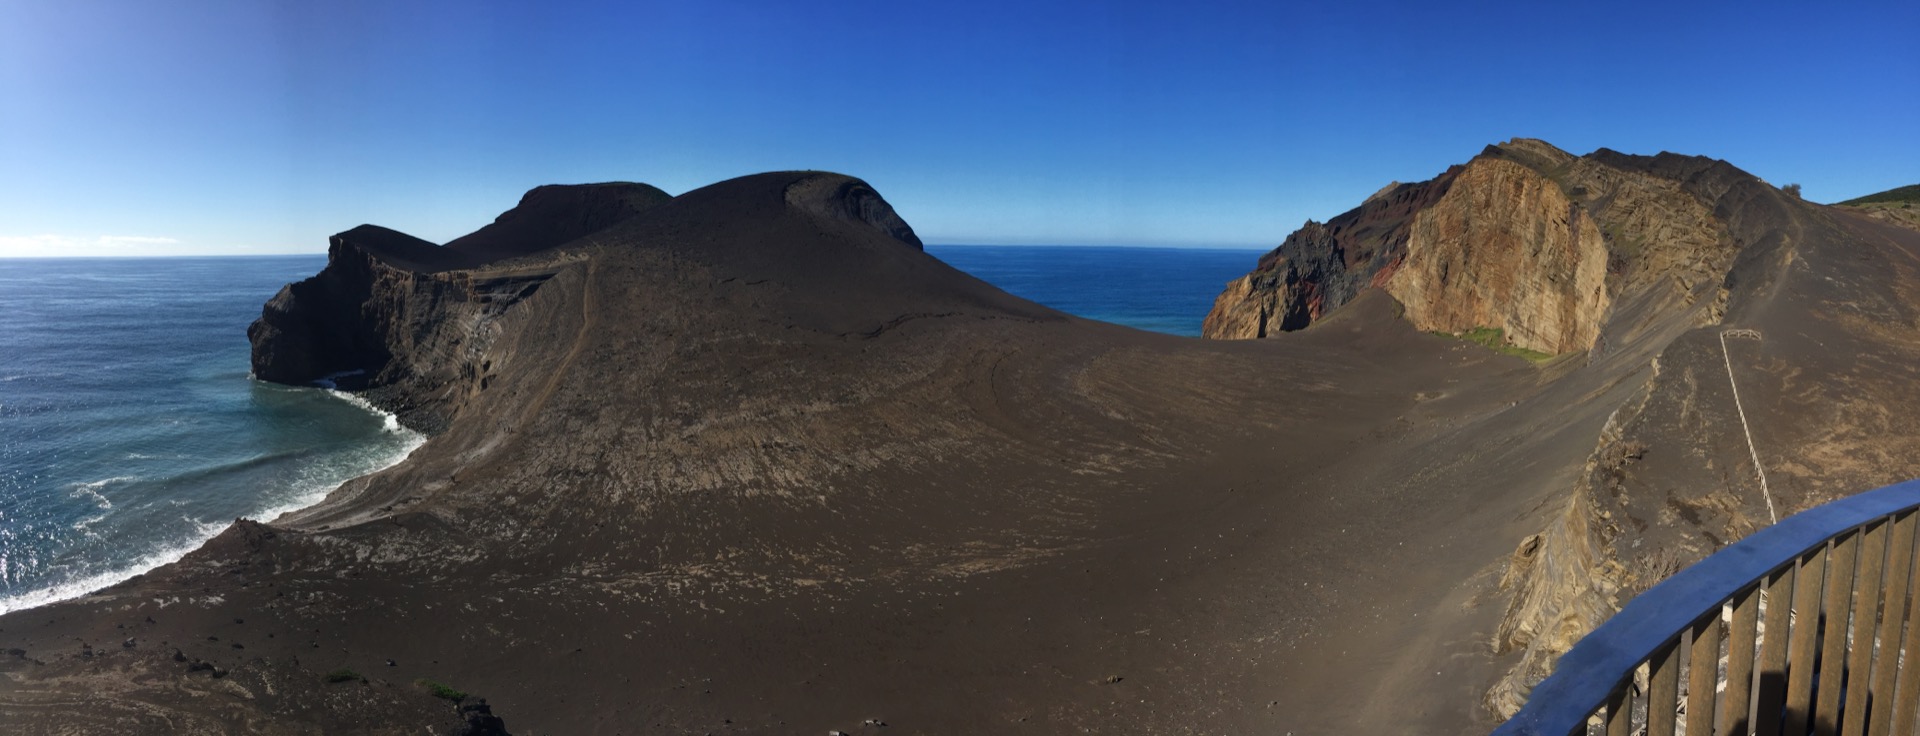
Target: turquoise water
{"points": [[131, 433], [1161, 289]]}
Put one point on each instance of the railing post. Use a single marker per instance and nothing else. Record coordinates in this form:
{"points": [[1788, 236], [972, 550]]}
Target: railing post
{"points": [[1907, 693], [1770, 695], [1866, 605], [1620, 709], [1742, 635], [1833, 646], [1703, 673], [1663, 690], [1886, 667], [1805, 644]]}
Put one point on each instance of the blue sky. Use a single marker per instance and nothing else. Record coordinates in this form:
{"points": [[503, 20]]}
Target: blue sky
{"points": [[255, 126]]}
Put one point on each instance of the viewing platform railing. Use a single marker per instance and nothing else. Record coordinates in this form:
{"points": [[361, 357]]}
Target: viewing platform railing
{"points": [[1805, 627]]}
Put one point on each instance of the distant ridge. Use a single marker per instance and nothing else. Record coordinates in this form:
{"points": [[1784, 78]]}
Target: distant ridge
{"points": [[1899, 206], [1908, 193]]}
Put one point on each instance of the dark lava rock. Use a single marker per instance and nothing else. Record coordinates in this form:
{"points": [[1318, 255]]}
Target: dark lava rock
{"points": [[479, 720]]}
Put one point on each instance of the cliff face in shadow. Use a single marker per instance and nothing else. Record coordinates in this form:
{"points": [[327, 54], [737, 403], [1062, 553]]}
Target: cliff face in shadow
{"points": [[749, 460], [415, 322]]}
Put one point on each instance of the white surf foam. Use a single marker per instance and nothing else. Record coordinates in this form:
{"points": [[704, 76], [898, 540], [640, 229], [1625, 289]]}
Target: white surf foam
{"points": [[391, 421], [317, 491], [84, 585], [203, 531], [92, 490]]}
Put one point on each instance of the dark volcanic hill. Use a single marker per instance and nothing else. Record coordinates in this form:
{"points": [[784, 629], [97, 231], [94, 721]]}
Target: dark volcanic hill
{"points": [[747, 460]]}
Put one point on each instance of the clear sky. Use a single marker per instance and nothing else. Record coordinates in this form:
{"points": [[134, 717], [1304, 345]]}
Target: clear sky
{"points": [[256, 126]]}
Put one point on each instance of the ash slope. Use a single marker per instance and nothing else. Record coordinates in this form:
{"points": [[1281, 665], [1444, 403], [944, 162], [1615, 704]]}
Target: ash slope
{"points": [[747, 461]]}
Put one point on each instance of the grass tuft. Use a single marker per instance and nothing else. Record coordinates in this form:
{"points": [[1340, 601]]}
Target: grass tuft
{"points": [[342, 675], [1495, 339], [440, 691]]}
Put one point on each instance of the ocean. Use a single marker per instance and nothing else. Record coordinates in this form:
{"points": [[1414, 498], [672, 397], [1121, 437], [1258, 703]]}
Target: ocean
{"points": [[1160, 289], [131, 432]]}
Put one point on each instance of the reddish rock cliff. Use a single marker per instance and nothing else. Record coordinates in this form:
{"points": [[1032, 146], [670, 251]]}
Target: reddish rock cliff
{"points": [[1525, 238], [1536, 268]]}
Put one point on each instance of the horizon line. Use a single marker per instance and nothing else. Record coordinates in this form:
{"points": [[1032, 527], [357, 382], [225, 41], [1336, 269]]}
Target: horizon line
{"points": [[143, 256]]}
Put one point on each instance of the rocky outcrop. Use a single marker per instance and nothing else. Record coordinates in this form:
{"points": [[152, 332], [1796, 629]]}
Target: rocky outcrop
{"points": [[1525, 238], [415, 322], [1321, 267], [1505, 248], [1564, 581]]}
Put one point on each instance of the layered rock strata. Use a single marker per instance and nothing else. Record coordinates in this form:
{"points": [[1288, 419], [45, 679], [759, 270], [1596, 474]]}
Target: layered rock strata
{"points": [[1525, 238]]}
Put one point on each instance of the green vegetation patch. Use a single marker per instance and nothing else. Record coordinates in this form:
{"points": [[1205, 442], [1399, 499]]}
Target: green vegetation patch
{"points": [[1907, 194], [440, 691], [1495, 339], [342, 675]]}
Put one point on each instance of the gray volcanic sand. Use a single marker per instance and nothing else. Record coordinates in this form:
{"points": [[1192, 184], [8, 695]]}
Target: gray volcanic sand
{"points": [[746, 468]]}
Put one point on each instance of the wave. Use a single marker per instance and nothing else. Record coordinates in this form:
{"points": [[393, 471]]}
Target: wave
{"points": [[391, 423], [209, 471], [57, 592], [83, 524], [92, 490], [329, 477], [318, 492]]}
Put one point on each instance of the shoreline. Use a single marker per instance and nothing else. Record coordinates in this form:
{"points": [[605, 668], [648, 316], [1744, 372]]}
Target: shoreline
{"points": [[206, 531]]}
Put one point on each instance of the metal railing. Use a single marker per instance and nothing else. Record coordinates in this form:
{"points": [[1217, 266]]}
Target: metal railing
{"points": [[1801, 628]]}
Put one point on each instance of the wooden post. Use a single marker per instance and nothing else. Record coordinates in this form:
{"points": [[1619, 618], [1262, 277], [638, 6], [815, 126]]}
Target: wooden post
{"points": [[1663, 689], [1620, 709], [1805, 642], [1742, 636], [1866, 607], [1886, 667], [1770, 694], [1833, 646], [1703, 673]]}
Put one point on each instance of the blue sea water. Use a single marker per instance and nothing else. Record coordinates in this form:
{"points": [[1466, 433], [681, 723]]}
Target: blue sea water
{"points": [[1161, 289], [130, 431]]}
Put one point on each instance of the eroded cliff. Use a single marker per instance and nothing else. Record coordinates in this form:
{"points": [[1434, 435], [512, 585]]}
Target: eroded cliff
{"points": [[416, 324], [1525, 238], [1535, 270]]}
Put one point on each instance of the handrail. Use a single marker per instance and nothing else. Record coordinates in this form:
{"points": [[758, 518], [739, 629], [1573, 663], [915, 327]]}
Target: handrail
{"points": [[1778, 691]]}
